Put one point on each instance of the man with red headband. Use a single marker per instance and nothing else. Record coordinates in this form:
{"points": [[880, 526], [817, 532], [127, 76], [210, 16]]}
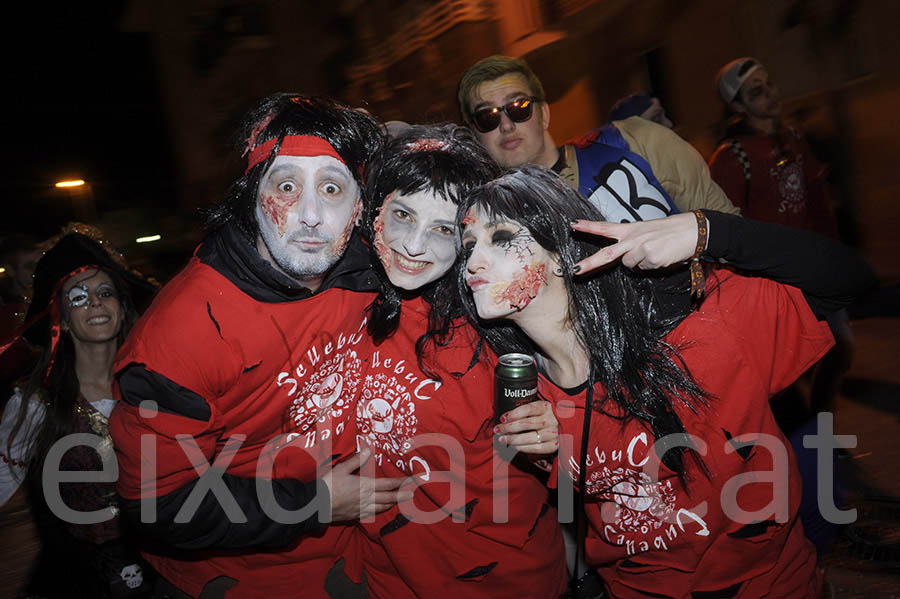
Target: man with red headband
{"points": [[235, 432]]}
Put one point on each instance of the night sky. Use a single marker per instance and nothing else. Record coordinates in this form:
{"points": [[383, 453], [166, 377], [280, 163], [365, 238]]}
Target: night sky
{"points": [[82, 101]]}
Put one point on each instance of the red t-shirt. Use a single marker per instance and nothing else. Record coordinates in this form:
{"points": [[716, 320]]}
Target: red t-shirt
{"points": [[264, 369], [649, 535], [460, 544], [787, 184]]}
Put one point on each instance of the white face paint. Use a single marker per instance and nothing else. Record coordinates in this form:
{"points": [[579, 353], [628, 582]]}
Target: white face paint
{"points": [[306, 208], [415, 237], [506, 268], [91, 309]]}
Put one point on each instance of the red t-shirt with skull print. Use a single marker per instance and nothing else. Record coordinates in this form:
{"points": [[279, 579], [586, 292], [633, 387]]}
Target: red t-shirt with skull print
{"points": [[270, 392], [733, 530], [477, 526]]}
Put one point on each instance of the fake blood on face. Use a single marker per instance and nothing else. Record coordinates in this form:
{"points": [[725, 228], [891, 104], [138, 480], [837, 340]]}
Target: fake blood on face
{"points": [[344, 237], [380, 247], [523, 288], [276, 210]]}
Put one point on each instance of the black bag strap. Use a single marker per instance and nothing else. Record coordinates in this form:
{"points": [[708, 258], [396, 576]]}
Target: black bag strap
{"points": [[582, 476]]}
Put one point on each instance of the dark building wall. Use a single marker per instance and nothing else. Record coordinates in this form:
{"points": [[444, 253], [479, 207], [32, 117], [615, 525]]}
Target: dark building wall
{"points": [[587, 54]]}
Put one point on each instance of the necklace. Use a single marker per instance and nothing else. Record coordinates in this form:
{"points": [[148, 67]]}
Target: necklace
{"points": [[100, 425]]}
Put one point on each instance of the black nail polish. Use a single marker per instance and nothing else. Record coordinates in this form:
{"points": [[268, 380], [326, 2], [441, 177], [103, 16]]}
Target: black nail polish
{"points": [[577, 269]]}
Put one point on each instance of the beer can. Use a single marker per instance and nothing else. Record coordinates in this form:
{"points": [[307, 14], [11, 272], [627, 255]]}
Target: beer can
{"points": [[515, 382]]}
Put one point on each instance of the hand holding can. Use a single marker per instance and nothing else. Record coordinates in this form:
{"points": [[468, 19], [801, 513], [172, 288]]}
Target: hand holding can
{"points": [[515, 383]]}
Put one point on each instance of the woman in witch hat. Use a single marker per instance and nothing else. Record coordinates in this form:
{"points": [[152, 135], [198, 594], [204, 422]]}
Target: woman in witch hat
{"points": [[83, 307]]}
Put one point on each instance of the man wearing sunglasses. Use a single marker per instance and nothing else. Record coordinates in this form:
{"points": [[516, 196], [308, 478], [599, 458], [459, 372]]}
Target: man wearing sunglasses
{"points": [[631, 170]]}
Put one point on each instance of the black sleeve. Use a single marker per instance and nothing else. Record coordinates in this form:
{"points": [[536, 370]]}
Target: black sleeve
{"points": [[209, 526], [208, 523], [830, 274]]}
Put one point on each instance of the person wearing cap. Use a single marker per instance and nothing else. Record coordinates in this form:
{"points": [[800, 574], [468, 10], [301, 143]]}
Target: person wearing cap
{"points": [[82, 308], [235, 428], [643, 105], [767, 169], [631, 170], [770, 172]]}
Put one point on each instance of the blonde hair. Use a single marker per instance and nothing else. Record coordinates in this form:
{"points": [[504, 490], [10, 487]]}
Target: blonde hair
{"points": [[491, 68]]}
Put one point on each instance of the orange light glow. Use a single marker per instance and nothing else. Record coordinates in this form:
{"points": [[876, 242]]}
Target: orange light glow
{"points": [[73, 183]]}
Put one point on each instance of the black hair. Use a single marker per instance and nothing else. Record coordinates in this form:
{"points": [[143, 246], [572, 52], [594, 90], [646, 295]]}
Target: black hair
{"points": [[448, 160], [613, 312], [59, 388], [355, 136]]}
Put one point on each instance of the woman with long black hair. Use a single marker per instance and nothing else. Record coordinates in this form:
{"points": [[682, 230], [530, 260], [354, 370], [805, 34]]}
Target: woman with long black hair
{"points": [[81, 311], [690, 486], [476, 526]]}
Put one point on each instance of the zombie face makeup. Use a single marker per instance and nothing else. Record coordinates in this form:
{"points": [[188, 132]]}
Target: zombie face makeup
{"points": [[378, 242], [506, 268], [91, 309], [415, 237], [307, 207]]}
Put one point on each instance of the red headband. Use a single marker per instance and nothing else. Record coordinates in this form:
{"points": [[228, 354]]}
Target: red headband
{"points": [[292, 145]]}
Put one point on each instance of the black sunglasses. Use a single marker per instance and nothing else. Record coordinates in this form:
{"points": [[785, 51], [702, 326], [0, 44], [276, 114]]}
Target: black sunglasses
{"points": [[487, 119]]}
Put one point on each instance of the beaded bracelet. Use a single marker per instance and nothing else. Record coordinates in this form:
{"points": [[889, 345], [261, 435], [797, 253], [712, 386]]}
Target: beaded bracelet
{"points": [[698, 278]]}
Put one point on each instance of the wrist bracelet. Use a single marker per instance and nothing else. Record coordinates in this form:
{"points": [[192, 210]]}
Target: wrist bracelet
{"points": [[698, 278]]}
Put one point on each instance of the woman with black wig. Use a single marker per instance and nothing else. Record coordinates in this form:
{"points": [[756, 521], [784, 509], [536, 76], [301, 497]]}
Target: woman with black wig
{"points": [[690, 486], [426, 406], [81, 312]]}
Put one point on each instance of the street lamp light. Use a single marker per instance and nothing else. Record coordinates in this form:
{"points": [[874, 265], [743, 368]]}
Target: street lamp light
{"points": [[71, 183], [81, 196], [148, 239]]}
